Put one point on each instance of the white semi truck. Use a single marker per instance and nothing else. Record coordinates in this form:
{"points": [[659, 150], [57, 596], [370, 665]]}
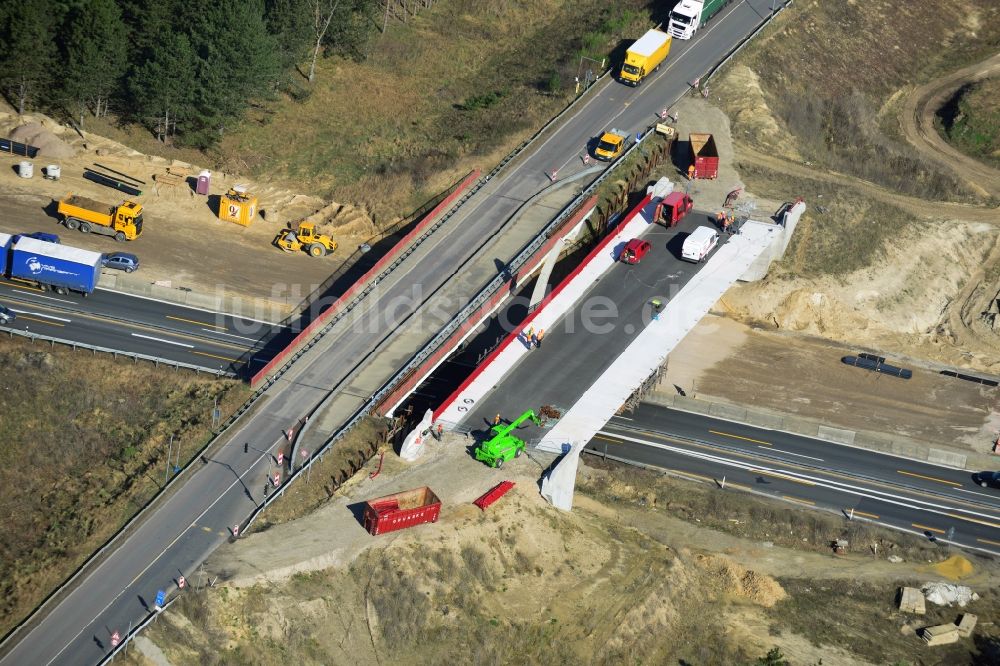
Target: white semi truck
{"points": [[689, 15]]}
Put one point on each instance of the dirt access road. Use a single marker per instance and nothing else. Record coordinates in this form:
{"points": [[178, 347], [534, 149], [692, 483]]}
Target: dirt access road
{"points": [[917, 119]]}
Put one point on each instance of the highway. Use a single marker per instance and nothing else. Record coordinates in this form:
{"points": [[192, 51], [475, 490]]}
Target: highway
{"points": [[133, 324], [918, 497], [193, 520]]}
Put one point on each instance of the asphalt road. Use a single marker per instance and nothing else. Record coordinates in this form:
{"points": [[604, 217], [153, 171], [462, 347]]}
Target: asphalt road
{"points": [[194, 519], [132, 324], [937, 502], [595, 332]]}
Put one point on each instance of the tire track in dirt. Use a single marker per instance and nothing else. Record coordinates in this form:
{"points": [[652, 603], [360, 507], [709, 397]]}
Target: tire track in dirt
{"points": [[917, 120], [912, 205]]}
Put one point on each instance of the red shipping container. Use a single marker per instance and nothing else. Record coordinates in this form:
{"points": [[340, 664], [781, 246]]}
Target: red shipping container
{"points": [[704, 155], [401, 510], [493, 494]]}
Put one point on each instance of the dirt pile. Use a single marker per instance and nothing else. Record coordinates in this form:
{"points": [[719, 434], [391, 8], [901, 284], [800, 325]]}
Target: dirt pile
{"points": [[738, 581], [36, 134]]}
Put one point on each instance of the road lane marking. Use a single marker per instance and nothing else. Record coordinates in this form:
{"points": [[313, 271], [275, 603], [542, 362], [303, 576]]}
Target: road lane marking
{"points": [[708, 478], [929, 478], [800, 455], [855, 512], [229, 335], [192, 321], [799, 499], [223, 358], [206, 529], [39, 314], [925, 527], [992, 543], [747, 439], [779, 475], [623, 418], [973, 492], [608, 439], [40, 321], [166, 342], [893, 498], [973, 520]]}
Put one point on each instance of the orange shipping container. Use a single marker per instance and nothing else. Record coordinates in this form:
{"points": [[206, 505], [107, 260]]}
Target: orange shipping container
{"points": [[238, 206]]}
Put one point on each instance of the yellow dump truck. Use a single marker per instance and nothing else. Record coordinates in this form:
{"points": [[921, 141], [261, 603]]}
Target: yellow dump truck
{"points": [[645, 56], [124, 222]]}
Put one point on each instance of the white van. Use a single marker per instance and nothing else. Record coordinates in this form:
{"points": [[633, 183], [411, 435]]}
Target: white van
{"points": [[699, 243]]}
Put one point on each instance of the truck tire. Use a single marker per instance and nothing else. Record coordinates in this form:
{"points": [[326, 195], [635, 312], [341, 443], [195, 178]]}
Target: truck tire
{"points": [[72, 223], [499, 463], [517, 454], [317, 250], [120, 236], [85, 227]]}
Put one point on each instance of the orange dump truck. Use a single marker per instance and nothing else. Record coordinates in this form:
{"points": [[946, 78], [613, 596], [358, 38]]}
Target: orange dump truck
{"points": [[124, 222]]}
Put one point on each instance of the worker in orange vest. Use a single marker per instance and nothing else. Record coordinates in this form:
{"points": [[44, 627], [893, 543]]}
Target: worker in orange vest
{"points": [[539, 336], [691, 172], [721, 219]]}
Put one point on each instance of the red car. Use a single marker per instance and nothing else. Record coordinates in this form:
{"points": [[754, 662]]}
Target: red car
{"points": [[635, 250]]}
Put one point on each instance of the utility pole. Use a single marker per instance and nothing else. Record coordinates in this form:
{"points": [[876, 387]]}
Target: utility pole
{"points": [[166, 472]]}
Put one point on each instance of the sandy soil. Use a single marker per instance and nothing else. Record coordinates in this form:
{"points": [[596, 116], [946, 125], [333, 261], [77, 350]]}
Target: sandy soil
{"points": [[728, 361], [184, 244]]}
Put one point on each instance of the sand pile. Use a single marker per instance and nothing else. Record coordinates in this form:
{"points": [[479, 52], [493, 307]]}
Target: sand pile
{"points": [[738, 581], [48, 144]]}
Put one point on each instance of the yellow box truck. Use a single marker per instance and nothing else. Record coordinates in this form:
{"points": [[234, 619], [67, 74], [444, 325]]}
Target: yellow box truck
{"points": [[124, 221], [645, 56]]}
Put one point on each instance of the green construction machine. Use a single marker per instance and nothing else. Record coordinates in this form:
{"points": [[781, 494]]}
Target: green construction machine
{"points": [[504, 446]]}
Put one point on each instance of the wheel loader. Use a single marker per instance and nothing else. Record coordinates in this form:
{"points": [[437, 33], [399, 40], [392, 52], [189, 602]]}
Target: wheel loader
{"points": [[305, 237]]}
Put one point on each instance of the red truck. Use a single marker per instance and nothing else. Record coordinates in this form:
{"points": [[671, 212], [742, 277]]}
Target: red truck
{"points": [[704, 156], [401, 510], [673, 208]]}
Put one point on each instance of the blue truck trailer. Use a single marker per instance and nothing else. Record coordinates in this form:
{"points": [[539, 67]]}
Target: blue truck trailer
{"points": [[57, 267], [5, 240]]}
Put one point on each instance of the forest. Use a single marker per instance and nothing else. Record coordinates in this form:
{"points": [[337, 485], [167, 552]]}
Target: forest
{"points": [[184, 70]]}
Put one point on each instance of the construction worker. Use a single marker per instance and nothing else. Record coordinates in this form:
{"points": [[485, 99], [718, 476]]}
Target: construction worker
{"points": [[440, 431], [539, 336], [530, 337], [725, 224], [657, 308], [721, 219], [496, 421], [731, 227], [691, 172]]}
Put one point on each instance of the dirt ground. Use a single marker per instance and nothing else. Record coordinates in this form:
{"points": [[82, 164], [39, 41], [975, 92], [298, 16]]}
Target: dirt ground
{"points": [[183, 245], [802, 375], [631, 574]]}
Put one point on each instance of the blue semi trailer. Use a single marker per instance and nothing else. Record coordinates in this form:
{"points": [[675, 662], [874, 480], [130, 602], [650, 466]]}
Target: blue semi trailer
{"points": [[4, 248], [57, 267]]}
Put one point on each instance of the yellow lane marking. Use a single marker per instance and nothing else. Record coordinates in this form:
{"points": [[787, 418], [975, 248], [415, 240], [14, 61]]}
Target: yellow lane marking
{"points": [[929, 478], [799, 499], [866, 515], [192, 321], [929, 529], [973, 520], [231, 360], [992, 543], [40, 321], [747, 439], [608, 439], [207, 529], [783, 476]]}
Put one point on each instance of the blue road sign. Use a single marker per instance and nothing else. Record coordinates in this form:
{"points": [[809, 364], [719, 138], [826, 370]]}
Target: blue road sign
{"points": [[160, 597]]}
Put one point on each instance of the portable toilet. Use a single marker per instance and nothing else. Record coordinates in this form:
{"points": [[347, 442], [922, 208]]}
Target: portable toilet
{"points": [[204, 182], [237, 205]]}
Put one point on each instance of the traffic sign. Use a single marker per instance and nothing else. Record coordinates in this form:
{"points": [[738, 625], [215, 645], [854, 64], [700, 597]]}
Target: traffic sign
{"points": [[116, 638], [161, 596], [304, 454], [181, 582], [281, 457]]}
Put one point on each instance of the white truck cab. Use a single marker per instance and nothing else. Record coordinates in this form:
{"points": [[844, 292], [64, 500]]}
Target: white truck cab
{"points": [[699, 243], [689, 15]]}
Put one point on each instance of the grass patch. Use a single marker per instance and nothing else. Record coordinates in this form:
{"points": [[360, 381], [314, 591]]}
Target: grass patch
{"points": [[833, 612], [842, 230], [971, 121], [826, 70], [95, 433]]}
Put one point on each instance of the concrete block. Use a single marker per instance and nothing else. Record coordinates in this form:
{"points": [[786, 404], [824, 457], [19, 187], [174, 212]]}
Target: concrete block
{"points": [[835, 435], [801, 426], [942, 634], [967, 624], [940, 457], [907, 450], [730, 412], [765, 420], [873, 441], [911, 600], [689, 404]]}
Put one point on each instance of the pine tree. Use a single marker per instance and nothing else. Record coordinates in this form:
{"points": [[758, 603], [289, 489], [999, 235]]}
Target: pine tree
{"points": [[290, 22], [94, 47], [26, 59], [162, 88]]}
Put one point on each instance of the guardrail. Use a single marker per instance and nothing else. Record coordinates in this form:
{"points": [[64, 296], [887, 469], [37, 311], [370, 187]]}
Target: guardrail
{"points": [[133, 632], [156, 360]]}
